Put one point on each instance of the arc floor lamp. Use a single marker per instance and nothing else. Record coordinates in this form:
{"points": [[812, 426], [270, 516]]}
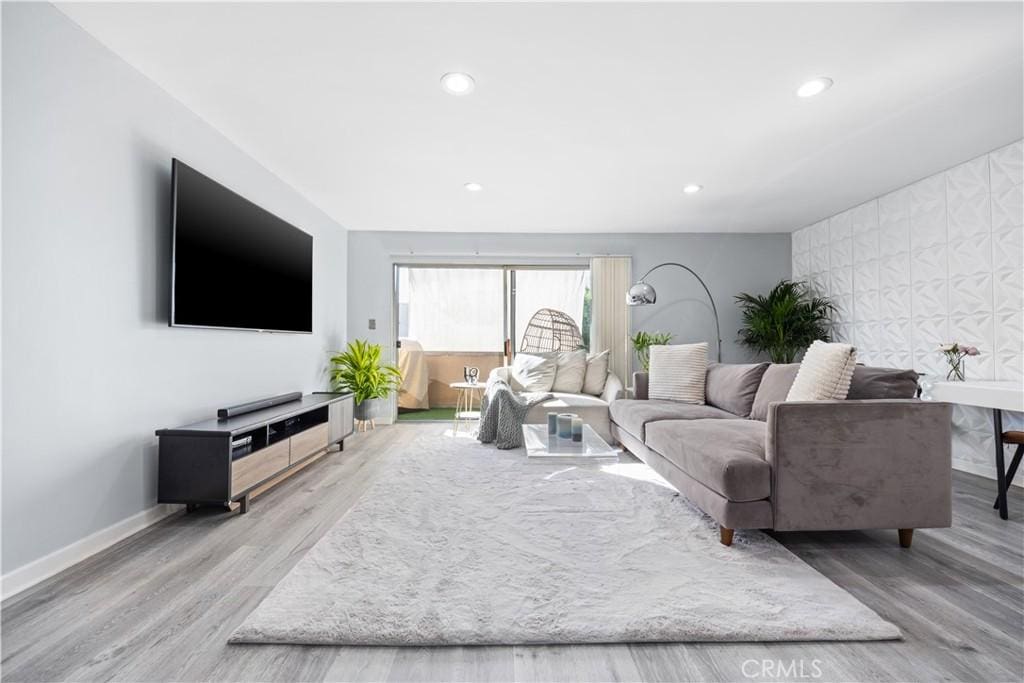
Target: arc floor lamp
{"points": [[643, 294]]}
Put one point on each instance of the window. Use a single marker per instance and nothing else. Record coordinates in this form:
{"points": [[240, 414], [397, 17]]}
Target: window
{"points": [[452, 309], [475, 309], [562, 290]]}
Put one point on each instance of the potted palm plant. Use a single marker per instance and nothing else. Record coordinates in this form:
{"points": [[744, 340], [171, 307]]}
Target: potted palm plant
{"points": [[359, 369], [785, 321]]}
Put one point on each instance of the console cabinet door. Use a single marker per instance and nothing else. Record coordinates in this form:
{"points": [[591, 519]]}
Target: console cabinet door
{"points": [[308, 442], [248, 471], [340, 420]]}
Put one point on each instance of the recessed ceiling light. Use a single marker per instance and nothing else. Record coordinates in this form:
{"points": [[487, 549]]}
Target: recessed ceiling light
{"points": [[473, 187], [814, 87], [456, 83], [693, 189]]}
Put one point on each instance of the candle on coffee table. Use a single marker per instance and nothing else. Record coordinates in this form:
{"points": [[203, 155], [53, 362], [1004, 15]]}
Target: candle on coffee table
{"points": [[577, 429], [552, 424], [565, 425]]}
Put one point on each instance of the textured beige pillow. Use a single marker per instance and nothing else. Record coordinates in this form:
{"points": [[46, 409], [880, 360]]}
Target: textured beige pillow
{"points": [[597, 374], [678, 372], [534, 373], [570, 371], [824, 373]]}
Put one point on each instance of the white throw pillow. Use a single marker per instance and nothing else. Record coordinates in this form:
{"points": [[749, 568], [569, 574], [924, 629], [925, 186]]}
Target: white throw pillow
{"points": [[534, 372], [678, 372], [597, 374], [570, 372], [825, 373]]}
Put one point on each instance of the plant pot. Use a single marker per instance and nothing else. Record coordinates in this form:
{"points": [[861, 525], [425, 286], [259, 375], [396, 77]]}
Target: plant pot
{"points": [[370, 409]]}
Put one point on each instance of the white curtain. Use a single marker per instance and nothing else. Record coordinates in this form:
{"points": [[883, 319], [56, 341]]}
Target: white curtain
{"points": [[561, 290], [611, 277], [456, 309]]}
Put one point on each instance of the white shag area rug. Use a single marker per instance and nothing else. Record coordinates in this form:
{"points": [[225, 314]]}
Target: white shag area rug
{"points": [[460, 543]]}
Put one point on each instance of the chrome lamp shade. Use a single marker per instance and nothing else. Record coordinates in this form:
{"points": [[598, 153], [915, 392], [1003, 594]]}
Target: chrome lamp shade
{"points": [[641, 294]]}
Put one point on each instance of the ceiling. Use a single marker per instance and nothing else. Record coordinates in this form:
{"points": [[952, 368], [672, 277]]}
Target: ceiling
{"points": [[586, 117]]}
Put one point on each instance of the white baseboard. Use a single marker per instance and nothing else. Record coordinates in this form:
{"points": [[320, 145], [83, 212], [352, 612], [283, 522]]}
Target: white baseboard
{"points": [[987, 471], [26, 576]]}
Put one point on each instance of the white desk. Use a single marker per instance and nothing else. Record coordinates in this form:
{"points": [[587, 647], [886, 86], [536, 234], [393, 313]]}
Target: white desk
{"points": [[997, 396], [981, 393]]}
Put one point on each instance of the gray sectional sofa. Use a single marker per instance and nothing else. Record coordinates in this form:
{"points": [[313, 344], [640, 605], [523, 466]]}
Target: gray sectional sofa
{"points": [[879, 460]]}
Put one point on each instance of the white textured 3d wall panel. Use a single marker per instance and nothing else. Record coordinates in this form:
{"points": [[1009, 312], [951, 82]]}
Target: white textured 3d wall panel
{"points": [[940, 260]]}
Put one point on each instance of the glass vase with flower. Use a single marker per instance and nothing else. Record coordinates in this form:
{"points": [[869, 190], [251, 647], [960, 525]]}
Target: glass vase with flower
{"points": [[955, 354]]}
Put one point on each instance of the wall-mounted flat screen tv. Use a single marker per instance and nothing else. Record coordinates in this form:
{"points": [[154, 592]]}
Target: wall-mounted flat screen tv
{"points": [[235, 265]]}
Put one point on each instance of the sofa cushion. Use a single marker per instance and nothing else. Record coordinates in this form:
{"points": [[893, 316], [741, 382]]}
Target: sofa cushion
{"points": [[874, 383], [561, 399], [570, 369], [534, 372], [597, 373], [633, 415], [678, 372], [775, 384], [733, 387], [727, 456], [825, 372]]}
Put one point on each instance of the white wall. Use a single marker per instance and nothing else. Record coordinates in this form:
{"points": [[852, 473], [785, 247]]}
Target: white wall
{"points": [[937, 261], [729, 263], [92, 367]]}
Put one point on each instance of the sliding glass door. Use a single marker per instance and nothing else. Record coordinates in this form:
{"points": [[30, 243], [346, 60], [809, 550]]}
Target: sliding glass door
{"points": [[450, 317]]}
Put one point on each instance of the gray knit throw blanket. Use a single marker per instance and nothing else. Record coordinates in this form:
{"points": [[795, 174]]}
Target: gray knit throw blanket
{"points": [[502, 412]]}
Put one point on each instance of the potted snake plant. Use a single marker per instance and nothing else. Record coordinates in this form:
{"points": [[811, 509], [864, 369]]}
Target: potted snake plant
{"points": [[359, 369]]}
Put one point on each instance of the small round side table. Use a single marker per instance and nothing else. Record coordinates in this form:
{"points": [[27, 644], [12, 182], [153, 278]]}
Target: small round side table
{"points": [[464, 413]]}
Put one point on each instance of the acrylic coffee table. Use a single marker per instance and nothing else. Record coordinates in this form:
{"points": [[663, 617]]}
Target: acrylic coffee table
{"points": [[539, 444]]}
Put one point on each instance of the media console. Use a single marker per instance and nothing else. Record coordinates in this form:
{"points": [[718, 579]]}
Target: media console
{"points": [[225, 460]]}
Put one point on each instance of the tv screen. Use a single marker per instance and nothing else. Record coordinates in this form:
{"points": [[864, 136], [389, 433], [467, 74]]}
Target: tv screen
{"points": [[235, 265]]}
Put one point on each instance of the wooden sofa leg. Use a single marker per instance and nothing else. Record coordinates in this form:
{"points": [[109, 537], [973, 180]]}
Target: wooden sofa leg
{"points": [[906, 536], [725, 535]]}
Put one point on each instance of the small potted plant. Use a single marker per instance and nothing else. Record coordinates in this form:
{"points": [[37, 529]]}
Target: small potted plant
{"points": [[359, 369], [642, 343], [955, 354]]}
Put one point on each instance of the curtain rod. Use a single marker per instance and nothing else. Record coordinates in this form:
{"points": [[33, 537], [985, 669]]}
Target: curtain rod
{"points": [[423, 254]]}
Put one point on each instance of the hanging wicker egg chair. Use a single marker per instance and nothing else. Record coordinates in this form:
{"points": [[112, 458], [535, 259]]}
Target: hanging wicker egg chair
{"points": [[551, 330]]}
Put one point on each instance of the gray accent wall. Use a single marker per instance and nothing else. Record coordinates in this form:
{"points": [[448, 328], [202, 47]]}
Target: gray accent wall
{"points": [[729, 263], [91, 366]]}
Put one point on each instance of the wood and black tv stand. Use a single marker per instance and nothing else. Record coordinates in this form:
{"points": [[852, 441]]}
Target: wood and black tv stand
{"points": [[224, 461]]}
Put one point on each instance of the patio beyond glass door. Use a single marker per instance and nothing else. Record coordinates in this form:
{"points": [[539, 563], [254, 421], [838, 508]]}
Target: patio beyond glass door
{"points": [[449, 318], [564, 290], [453, 309]]}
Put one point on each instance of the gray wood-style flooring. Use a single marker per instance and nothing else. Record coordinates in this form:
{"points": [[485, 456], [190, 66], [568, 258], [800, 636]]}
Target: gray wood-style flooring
{"points": [[160, 605]]}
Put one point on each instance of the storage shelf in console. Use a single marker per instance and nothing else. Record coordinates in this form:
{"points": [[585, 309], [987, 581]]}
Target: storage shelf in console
{"points": [[289, 427]]}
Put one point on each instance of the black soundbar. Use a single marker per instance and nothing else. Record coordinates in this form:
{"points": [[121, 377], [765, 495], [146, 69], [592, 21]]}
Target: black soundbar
{"points": [[243, 408]]}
